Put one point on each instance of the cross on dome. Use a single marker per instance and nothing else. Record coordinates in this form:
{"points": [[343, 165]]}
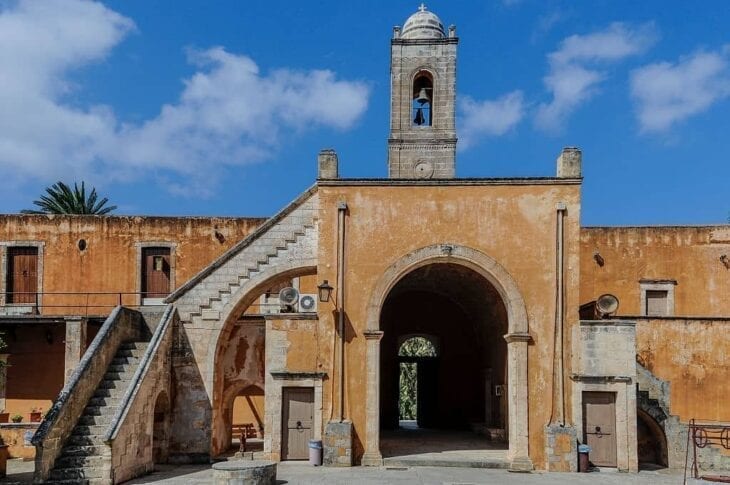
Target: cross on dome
{"points": [[422, 8]]}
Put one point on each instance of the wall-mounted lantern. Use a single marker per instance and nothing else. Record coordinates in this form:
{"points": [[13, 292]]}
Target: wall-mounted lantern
{"points": [[325, 291]]}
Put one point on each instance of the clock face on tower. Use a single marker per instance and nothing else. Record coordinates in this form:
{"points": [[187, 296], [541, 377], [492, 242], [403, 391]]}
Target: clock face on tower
{"points": [[423, 169]]}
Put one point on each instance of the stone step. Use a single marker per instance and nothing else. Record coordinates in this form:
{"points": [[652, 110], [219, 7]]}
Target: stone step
{"points": [[104, 401], [76, 473], [94, 420], [108, 392], [79, 461], [124, 361], [99, 410], [129, 353], [120, 368], [134, 345], [88, 430], [113, 383], [83, 450], [84, 440], [119, 376]]}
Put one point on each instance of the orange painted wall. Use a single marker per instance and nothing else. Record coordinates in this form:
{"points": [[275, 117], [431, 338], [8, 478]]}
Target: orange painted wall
{"points": [[690, 255], [109, 262], [693, 356], [35, 367], [514, 224]]}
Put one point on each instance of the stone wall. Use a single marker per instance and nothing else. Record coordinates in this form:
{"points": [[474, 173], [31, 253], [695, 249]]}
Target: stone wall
{"points": [[132, 433], [122, 325], [17, 437], [604, 360]]}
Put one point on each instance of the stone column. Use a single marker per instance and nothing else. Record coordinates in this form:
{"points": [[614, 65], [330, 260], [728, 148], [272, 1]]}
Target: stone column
{"points": [[372, 456], [519, 451], [3, 379], [75, 344]]}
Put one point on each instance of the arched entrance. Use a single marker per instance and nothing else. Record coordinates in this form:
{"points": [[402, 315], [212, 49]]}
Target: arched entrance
{"points": [[240, 360], [161, 429], [460, 388], [652, 442], [517, 337]]}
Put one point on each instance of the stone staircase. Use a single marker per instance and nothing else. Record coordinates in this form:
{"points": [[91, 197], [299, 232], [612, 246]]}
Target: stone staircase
{"points": [[284, 238], [85, 458]]}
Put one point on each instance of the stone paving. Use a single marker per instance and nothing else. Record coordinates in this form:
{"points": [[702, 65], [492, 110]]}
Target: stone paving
{"points": [[300, 473]]}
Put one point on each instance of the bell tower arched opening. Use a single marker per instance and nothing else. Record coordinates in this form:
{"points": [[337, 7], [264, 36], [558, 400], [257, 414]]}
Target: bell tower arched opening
{"points": [[454, 320], [422, 105]]}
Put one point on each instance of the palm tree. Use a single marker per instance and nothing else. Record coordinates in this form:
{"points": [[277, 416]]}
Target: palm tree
{"points": [[62, 200]]}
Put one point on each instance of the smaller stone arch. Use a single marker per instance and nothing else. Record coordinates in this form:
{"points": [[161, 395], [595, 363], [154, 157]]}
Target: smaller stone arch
{"points": [[161, 428], [652, 441]]}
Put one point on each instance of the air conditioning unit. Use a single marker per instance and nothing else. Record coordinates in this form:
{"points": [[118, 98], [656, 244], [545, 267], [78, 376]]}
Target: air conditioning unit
{"points": [[308, 302]]}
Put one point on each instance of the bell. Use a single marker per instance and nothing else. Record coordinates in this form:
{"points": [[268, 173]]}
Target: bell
{"points": [[419, 119], [422, 97]]}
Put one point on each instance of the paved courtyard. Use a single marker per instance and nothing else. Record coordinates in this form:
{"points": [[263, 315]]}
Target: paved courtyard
{"points": [[299, 473]]}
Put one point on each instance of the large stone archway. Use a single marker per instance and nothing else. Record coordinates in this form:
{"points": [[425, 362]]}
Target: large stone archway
{"points": [[221, 390], [517, 340]]}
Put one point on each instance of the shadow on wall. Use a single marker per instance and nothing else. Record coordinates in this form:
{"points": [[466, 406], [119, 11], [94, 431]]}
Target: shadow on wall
{"points": [[191, 410]]}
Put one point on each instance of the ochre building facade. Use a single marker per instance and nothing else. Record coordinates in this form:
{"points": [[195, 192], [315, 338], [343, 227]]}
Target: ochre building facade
{"points": [[166, 339]]}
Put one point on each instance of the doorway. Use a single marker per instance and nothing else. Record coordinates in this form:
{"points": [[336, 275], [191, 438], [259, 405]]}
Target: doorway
{"points": [[297, 422], [155, 274], [443, 364], [599, 426], [22, 275]]}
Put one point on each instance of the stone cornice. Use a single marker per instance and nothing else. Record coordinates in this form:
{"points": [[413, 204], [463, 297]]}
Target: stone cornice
{"points": [[518, 337], [456, 182]]}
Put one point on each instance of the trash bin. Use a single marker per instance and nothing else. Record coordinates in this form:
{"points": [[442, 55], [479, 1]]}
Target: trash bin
{"points": [[583, 461], [315, 452]]}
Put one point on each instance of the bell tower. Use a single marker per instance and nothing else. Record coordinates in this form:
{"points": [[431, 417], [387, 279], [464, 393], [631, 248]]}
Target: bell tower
{"points": [[422, 142]]}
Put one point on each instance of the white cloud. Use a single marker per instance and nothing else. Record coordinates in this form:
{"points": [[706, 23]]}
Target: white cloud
{"points": [[229, 113], [479, 119], [667, 93], [573, 77]]}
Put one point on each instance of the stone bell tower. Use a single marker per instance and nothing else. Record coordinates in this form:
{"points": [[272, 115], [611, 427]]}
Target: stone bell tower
{"points": [[422, 142]]}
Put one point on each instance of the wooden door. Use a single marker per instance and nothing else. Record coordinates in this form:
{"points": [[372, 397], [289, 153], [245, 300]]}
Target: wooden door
{"points": [[155, 272], [22, 275], [599, 426], [297, 422]]}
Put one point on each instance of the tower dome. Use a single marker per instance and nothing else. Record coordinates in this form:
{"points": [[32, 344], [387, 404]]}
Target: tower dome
{"points": [[423, 25]]}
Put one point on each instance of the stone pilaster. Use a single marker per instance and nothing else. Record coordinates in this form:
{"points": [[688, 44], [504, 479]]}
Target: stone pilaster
{"points": [[372, 456], [519, 451], [75, 344]]}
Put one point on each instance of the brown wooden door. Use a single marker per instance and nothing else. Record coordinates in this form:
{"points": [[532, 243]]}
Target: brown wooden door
{"points": [[155, 272], [599, 425], [297, 422], [22, 279]]}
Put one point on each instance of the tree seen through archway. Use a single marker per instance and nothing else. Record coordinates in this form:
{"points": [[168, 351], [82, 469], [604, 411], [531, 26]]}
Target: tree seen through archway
{"points": [[413, 347]]}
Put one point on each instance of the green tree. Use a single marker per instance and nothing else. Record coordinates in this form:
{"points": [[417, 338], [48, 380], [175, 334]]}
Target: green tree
{"points": [[408, 385], [60, 199]]}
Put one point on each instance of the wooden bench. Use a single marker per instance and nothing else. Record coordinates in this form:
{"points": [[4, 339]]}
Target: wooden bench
{"points": [[243, 431]]}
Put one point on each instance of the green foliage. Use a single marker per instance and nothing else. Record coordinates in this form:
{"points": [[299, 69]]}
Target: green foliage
{"points": [[408, 384], [60, 199]]}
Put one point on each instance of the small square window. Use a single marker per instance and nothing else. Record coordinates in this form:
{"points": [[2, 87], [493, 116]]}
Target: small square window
{"points": [[657, 297], [159, 263], [656, 303]]}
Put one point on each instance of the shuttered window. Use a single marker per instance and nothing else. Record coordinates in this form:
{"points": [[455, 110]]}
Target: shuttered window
{"points": [[657, 303]]}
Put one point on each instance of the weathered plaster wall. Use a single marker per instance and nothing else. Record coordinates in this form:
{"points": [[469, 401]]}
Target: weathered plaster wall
{"points": [[691, 354], [110, 261], [32, 381], [514, 224], [689, 255]]}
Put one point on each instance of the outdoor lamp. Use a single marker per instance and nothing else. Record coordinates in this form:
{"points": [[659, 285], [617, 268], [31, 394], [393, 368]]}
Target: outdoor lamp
{"points": [[324, 290]]}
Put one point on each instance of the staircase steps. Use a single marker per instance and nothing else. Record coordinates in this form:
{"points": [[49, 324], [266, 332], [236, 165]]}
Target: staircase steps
{"points": [[83, 459]]}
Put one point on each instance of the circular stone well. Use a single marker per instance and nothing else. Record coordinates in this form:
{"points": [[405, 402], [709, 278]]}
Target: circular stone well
{"points": [[254, 472]]}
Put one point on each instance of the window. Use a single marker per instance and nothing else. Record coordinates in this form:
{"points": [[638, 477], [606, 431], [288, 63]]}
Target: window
{"points": [[657, 297], [422, 99]]}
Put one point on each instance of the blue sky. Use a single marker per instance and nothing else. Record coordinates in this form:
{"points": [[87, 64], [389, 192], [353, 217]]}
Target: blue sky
{"points": [[220, 108]]}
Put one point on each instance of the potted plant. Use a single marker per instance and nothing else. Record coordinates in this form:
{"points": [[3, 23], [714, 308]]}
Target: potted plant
{"points": [[35, 415], [16, 418], [4, 416]]}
